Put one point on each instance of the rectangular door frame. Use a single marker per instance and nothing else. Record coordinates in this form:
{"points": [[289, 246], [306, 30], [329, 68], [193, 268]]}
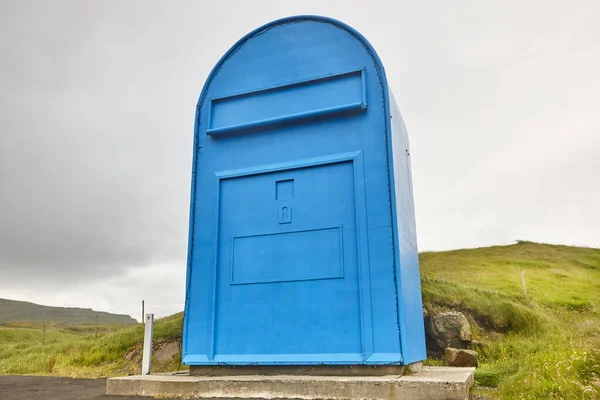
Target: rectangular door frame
{"points": [[366, 321]]}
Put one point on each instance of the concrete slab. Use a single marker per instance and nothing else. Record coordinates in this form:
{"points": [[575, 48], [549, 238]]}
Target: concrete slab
{"points": [[431, 383]]}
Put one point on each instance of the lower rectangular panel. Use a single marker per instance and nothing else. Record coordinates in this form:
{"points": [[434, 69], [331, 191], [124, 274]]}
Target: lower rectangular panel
{"points": [[290, 256]]}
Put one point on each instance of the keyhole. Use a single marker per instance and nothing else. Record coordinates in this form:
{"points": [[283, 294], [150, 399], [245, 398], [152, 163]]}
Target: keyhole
{"points": [[285, 215]]}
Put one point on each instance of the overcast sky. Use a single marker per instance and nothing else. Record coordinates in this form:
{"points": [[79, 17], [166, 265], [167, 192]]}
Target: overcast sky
{"points": [[97, 100]]}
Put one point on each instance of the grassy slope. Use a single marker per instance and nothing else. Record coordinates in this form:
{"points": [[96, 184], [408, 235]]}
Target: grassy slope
{"points": [[75, 351], [540, 348]]}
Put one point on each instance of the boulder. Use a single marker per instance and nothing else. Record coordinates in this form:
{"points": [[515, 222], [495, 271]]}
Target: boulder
{"points": [[460, 357], [447, 329]]}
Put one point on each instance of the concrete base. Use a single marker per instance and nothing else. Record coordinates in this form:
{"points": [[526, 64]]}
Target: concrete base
{"points": [[431, 383]]}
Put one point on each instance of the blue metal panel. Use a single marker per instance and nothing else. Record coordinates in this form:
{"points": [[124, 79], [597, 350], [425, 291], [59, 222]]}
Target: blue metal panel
{"points": [[294, 254], [287, 103], [410, 307]]}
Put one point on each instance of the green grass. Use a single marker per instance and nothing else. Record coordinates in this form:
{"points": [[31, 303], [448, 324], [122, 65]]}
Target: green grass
{"points": [[78, 352], [545, 347]]}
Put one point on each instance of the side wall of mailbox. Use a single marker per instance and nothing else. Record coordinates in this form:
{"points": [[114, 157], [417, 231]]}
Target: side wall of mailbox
{"points": [[412, 331]]}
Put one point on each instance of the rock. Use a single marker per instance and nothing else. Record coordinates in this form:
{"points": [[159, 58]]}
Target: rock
{"points": [[460, 357], [166, 351], [447, 329], [131, 354]]}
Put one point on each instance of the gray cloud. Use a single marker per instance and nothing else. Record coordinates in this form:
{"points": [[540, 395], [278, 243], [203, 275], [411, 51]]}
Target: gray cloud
{"points": [[97, 105]]}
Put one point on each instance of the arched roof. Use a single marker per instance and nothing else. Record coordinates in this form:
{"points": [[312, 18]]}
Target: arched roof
{"points": [[290, 20]]}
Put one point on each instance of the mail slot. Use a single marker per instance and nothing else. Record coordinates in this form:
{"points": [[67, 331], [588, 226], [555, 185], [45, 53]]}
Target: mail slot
{"points": [[302, 242]]}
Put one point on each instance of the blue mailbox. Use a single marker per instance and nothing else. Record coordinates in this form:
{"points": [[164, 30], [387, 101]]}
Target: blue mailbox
{"points": [[302, 243]]}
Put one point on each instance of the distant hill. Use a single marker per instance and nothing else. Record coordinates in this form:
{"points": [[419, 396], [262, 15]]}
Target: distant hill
{"points": [[12, 310]]}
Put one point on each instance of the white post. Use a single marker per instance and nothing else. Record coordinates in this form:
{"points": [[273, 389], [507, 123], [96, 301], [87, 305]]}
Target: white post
{"points": [[523, 283], [147, 350]]}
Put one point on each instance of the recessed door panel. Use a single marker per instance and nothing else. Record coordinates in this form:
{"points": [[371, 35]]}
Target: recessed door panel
{"points": [[287, 270]]}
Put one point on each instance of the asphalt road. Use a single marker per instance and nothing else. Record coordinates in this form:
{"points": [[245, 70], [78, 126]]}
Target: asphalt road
{"points": [[54, 388]]}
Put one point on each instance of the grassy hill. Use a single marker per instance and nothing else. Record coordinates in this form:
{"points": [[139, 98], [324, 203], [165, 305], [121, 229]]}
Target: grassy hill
{"points": [[77, 352], [545, 347], [12, 310]]}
